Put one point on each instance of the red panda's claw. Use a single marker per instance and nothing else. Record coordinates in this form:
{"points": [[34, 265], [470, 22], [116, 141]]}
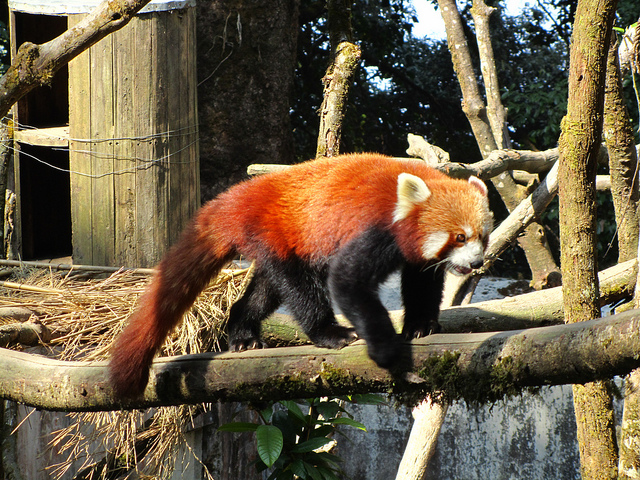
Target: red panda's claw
{"points": [[429, 329], [335, 336], [241, 345]]}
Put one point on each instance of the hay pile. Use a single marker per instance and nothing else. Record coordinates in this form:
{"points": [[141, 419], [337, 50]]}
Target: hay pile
{"points": [[82, 316]]}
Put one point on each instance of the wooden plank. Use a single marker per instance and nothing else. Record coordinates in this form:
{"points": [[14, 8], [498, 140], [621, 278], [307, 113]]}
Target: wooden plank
{"points": [[126, 237], [175, 121], [102, 133], [162, 153], [44, 137], [190, 86], [13, 180], [79, 154], [145, 125]]}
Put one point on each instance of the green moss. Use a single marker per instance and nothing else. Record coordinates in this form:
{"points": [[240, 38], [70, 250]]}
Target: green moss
{"points": [[445, 381], [275, 388]]}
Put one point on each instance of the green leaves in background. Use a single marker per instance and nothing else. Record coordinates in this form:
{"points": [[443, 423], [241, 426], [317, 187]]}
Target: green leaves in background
{"points": [[295, 444]]}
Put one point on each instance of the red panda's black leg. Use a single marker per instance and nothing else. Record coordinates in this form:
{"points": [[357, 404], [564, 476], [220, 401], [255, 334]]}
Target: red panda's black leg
{"points": [[258, 302], [421, 295], [303, 288], [355, 273]]}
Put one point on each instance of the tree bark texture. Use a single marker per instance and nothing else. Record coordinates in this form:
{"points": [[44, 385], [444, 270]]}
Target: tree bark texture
{"points": [[428, 418], [337, 82], [338, 78], [579, 144], [629, 462], [496, 114], [623, 167], [246, 61], [623, 159]]}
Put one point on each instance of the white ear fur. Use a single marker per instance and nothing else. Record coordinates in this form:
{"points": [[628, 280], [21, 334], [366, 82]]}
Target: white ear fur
{"points": [[411, 191], [479, 184]]}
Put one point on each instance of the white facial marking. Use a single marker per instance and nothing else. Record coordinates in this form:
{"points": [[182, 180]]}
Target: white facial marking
{"points": [[468, 231], [411, 191], [434, 244], [468, 254]]}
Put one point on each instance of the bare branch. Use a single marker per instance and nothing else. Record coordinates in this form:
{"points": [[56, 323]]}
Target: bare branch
{"points": [[36, 65]]}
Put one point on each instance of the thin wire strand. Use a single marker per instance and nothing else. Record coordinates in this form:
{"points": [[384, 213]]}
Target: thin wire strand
{"points": [[183, 131], [146, 162]]}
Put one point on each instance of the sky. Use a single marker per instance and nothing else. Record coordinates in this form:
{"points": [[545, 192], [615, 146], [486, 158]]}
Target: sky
{"points": [[430, 22]]}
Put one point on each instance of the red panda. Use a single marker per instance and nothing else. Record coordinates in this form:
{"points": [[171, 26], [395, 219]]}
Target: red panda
{"points": [[321, 231]]}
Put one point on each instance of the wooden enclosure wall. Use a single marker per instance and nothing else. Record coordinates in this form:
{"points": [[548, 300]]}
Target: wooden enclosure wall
{"points": [[134, 140]]}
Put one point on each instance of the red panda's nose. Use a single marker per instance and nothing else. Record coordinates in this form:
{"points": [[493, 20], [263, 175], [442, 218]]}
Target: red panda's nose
{"points": [[476, 264]]}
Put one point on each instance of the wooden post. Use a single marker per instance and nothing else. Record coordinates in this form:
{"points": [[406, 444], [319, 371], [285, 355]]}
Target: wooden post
{"points": [[134, 140]]}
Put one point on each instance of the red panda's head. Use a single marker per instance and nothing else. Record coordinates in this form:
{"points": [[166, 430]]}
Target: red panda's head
{"points": [[450, 219]]}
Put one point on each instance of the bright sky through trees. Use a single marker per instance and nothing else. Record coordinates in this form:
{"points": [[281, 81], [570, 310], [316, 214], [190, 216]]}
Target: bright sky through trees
{"points": [[430, 22]]}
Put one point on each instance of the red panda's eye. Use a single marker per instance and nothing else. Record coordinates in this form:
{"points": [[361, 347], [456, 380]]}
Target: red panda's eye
{"points": [[460, 238]]}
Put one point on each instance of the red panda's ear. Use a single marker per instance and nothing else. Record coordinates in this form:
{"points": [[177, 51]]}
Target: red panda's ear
{"points": [[479, 184], [411, 191]]}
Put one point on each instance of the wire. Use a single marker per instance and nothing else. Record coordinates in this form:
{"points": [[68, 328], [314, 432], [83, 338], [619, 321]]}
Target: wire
{"points": [[147, 163]]}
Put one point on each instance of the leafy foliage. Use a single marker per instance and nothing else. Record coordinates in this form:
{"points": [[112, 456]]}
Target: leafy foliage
{"points": [[407, 84], [295, 444]]}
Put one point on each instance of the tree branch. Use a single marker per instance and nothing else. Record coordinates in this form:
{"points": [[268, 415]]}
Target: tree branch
{"points": [[36, 65], [460, 365]]}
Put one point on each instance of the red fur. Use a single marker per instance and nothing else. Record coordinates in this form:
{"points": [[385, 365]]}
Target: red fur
{"points": [[307, 211]]}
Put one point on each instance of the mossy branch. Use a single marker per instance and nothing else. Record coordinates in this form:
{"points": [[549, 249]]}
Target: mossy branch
{"points": [[477, 367], [36, 65]]}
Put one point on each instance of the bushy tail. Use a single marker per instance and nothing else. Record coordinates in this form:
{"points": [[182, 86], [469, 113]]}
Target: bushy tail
{"points": [[184, 272]]}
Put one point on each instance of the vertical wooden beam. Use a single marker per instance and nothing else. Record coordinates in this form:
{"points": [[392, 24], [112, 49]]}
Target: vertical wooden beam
{"points": [[102, 134], [125, 163], [79, 154]]}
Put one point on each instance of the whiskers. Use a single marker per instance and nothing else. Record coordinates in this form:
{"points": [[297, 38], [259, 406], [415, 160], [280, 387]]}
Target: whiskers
{"points": [[444, 263]]}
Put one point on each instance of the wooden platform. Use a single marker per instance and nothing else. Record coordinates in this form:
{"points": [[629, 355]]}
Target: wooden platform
{"points": [[44, 137]]}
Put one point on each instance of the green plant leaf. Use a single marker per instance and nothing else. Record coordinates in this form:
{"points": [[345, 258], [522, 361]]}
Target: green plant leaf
{"points": [[323, 431], [238, 427], [297, 467], [367, 399], [348, 421], [327, 474], [293, 408], [266, 413], [310, 445], [270, 443], [328, 459], [313, 472], [329, 409]]}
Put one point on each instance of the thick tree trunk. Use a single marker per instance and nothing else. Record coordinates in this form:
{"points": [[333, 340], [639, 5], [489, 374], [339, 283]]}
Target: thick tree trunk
{"points": [[428, 418], [246, 61], [579, 144]]}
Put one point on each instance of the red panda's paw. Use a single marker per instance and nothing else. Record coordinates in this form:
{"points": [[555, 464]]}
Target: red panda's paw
{"points": [[334, 336], [388, 355], [242, 344], [410, 332]]}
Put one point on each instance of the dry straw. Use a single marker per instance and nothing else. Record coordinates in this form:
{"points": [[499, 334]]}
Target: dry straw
{"points": [[84, 315]]}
